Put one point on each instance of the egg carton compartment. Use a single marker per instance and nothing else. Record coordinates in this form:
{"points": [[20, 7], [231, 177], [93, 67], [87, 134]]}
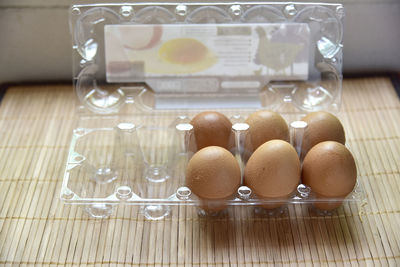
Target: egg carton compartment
{"points": [[297, 97], [145, 164], [106, 67]]}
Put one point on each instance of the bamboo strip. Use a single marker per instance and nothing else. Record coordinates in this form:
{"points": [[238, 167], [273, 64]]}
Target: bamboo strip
{"points": [[46, 202], [18, 206], [375, 247]]}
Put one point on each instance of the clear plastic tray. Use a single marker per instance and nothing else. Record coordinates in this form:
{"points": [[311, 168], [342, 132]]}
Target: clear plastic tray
{"points": [[130, 144]]}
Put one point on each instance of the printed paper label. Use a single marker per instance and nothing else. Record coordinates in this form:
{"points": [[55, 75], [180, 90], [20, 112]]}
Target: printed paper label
{"points": [[208, 57]]}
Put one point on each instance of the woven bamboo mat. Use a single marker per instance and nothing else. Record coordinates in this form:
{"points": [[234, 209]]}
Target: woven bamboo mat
{"points": [[37, 228]]}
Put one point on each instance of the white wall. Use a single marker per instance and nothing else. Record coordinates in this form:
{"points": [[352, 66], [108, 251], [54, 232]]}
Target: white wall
{"points": [[35, 43]]}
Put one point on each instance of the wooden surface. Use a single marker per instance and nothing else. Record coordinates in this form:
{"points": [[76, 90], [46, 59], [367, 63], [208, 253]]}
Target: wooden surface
{"points": [[37, 228]]}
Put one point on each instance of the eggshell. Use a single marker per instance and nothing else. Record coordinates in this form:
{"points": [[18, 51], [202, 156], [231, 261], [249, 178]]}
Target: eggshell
{"points": [[322, 126], [212, 129], [273, 172], [330, 170], [213, 174], [264, 125]]}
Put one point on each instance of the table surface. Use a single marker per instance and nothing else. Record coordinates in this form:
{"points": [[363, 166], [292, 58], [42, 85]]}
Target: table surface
{"points": [[37, 228]]}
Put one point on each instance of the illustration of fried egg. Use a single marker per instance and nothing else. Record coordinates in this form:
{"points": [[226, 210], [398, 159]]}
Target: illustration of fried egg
{"points": [[175, 56]]}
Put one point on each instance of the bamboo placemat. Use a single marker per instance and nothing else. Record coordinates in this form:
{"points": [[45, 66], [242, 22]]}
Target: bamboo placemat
{"points": [[37, 228]]}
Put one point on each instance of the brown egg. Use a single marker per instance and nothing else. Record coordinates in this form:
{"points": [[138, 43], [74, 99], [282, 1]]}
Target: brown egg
{"points": [[273, 172], [212, 129], [330, 170], [322, 126], [264, 125], [213, 174]]}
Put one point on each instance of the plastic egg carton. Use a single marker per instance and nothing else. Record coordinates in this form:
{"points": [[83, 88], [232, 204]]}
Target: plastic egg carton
{"points": [[130, 145]]}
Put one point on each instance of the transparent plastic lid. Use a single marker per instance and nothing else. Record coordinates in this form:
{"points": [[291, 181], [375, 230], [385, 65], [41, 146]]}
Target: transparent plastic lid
{"points": [[281, 56]]}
